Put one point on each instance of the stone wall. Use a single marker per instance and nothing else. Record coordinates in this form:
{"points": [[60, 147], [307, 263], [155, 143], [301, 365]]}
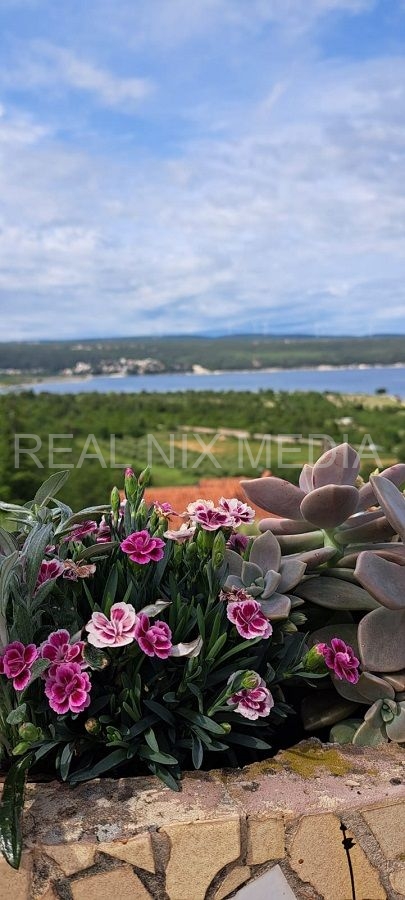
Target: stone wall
{"points": [[134, 839]]}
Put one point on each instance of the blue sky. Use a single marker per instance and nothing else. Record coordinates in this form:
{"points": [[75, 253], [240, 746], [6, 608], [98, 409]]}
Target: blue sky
{"points": [[177, 166]]}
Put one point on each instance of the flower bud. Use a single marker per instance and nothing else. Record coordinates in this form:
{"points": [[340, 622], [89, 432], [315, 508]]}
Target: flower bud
{"points": [[92, 726], [314, 661], [249, 679], [218, 549], [226, 726], [115, 501], [131, 485], [29, 732], [20, 748], [144, 477]]}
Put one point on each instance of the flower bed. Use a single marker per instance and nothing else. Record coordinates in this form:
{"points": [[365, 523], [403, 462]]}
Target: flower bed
{"points": [[129, 647]]}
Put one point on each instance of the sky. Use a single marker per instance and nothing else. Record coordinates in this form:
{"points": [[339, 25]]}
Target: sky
{"points": [[201, 166]]}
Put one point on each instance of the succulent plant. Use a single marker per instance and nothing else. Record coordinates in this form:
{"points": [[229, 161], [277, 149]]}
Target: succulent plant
{"points": [[352, 540], [265, 575]]}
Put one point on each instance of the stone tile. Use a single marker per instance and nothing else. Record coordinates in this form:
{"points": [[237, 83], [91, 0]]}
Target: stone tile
{"points": [[265, 839], [121, 884], [318, 856], [15, 885], [136, 850], [270, 886], [397, 880], [233, 880], [72, 858], [388, 826], [198, 851]]}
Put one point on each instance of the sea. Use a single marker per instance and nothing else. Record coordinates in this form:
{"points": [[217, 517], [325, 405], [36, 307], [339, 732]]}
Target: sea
{"points": [[347, 380]]}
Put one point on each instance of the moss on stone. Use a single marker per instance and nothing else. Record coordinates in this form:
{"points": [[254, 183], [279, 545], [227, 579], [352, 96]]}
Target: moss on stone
{"points": [[307, 761]]}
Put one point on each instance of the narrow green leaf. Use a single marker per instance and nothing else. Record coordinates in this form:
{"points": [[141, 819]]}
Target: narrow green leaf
{"points": [[51, 487], [11, 806]]}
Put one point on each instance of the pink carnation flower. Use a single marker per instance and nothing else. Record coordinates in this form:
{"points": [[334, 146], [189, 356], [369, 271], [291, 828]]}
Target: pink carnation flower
{"points": [[341, 659], [247, 616], [58, 649], [142, 548], [210, 518], [103, 533], [16, 661], [199, 506], [83, 530], [117, 631], [50, 569], [253, 702], [68, 689], [164, 509], [240, 513], [154, 640]]}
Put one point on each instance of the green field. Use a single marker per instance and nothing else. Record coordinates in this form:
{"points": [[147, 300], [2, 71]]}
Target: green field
{"points": [[97, 435]]}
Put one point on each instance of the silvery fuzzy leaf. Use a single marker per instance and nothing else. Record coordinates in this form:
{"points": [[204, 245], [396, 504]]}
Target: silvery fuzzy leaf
{"points": [[339, 465], [329, 505], [277, 608], [381, 640], [395, 474], [392, 501], [396, 728], [275, 495], [271, 582], [291, 571], [334, 593], [383, 579], [190, 649], [306, 480], [265, 552]]}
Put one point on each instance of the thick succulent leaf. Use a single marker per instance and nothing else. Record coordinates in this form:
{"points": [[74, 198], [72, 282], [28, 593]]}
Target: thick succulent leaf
{"points": [[277, 608], [315, 558], [384, 580], [265, 552], [233, 562], [285, 526], [271, 582], [361, 518], [343, 732], [232, 583], [396, 728], [275, 495], [333, 593], [305, 480], [374, 688], [299, 543], [324, 708], [395, 474], [349, 691], [339, 465], [373, 714], [343, 574], [381, 637], [330, 505], [369, 736], [379, 529], [390, 551], [346, 631], [250, 572], [392, 501], [397, 679], [291, 571]]}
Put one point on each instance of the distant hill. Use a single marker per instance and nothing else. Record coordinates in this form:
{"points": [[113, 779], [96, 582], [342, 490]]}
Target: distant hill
{"points": [[181, 354]]}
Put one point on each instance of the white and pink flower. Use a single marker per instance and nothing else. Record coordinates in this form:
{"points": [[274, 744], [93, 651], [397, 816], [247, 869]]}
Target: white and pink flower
{"points": [[240, 513], [252, 702], [247, 616], [117, 631]]}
